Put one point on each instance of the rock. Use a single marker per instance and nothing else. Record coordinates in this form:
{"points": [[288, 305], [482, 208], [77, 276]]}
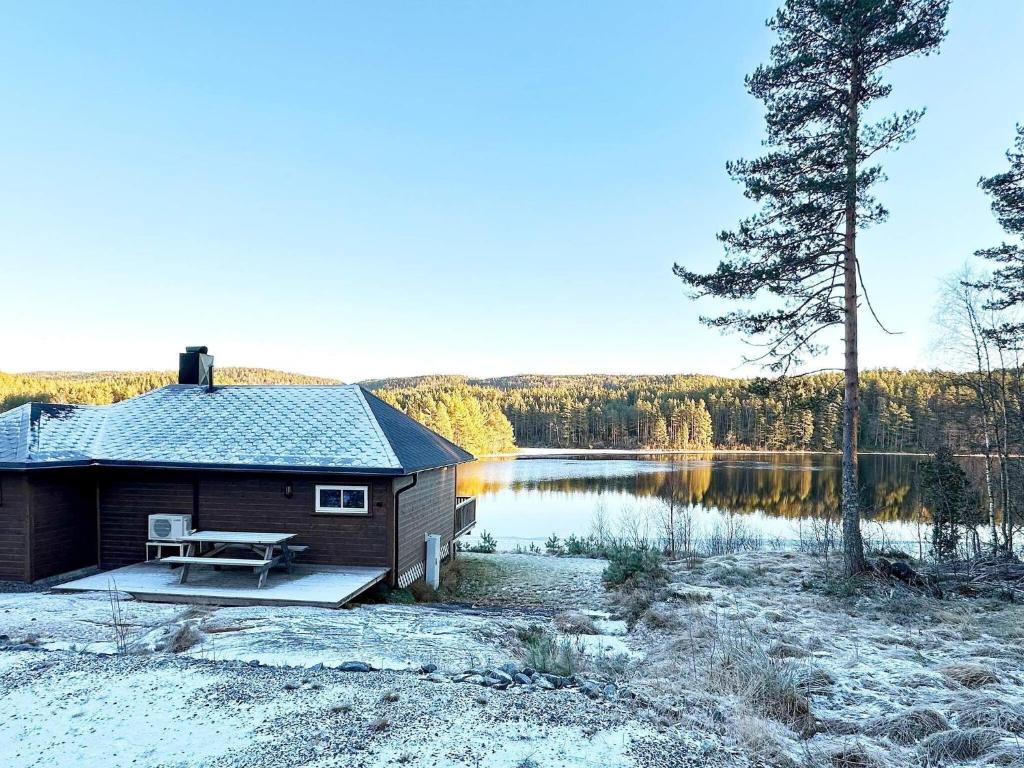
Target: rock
{"points": [[291, 686], [317, 666], [544, 684], [610, 691], [554, 680], [434, 677], [529, 671], [22, 647], [500, 676], [5, 638], [254, 663], [474, 680], [523, 679], [511, 668], [354, 666], [592, 690], [427, 669]]}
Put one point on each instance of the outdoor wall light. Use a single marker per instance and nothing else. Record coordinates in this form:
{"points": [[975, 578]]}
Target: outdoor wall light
{"points": [[288, 489]]}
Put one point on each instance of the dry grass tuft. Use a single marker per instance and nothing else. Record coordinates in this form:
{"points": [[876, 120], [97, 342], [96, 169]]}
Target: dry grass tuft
{"points": [[970, 675], [983, 711], [575, 623], [660, 618], [379, 725], [960, 745], [853, 754], [761, 739], [185, 637], [783, 650], [909, 726]]}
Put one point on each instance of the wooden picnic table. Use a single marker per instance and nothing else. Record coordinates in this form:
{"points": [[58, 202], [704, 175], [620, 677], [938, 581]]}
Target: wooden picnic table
{"points": [[273, 550]]}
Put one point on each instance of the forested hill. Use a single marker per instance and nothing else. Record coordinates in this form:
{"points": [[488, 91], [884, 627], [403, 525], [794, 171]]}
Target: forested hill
{"points": [[101, 387], [901, 411]]}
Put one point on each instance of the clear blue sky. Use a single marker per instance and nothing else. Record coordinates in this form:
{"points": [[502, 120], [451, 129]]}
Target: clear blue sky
{"points": [[374, 189]]}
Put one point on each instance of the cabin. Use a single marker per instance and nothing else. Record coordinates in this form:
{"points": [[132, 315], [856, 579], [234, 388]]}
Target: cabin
{"points": [[357, 481]]}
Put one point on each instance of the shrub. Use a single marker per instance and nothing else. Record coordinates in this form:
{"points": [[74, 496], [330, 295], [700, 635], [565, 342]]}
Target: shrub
{"points": [[574, 545], [633, 563], [545, 652], [554, 546], [487, 544]]}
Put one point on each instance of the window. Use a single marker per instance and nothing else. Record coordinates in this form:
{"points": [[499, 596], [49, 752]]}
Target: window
{"points": [[342, 499]]}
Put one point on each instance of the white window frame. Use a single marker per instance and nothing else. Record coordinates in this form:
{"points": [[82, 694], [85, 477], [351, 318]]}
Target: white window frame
{"points": [[343, 510]]}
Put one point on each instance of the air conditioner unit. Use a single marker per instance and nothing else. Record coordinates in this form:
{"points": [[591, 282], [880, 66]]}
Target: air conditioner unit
{"points": [[169, 527]]}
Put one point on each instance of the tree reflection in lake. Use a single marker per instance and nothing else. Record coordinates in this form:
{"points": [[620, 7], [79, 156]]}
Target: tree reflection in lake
{"points": [[528, 498]]}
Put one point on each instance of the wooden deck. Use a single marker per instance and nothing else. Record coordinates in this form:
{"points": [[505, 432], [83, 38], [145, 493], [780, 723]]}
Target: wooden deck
{"points": [[323, 586]]}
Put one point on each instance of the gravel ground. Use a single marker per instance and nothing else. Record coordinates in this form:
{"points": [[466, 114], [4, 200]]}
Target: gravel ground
{"points": [[259, 688], [90, 709]]}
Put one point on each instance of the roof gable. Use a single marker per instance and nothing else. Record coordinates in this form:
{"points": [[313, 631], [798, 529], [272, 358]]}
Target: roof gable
{"points": [[416, 446]]}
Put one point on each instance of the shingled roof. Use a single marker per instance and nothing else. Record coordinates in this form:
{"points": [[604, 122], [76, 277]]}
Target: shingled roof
{"points": [[323, 428]]}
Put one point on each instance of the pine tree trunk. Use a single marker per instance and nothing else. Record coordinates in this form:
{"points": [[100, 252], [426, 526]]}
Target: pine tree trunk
{"points": [[853, 545]]}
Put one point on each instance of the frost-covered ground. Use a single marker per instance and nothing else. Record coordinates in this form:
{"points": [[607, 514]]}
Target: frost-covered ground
{"points": [[799, 667], [755, 659]]}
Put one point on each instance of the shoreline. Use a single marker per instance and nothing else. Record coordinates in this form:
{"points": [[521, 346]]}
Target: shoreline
{"points": [[541, 452]]}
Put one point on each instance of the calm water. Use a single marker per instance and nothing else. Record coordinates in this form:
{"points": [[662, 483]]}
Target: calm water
{"points": [[527, 499]]}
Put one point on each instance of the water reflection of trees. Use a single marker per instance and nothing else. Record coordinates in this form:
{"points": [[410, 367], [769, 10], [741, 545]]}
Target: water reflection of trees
{"points": [[787, 486]]}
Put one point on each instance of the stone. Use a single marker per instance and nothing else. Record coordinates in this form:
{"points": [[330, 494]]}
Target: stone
{"points": [[522, 679], [591, 689], [474, 679], [434, 677], [428, 668], [254, 663], [354, 666], [610, 691], [554, 680], [529, 671], [545, 684], [291, 686], [317, 666], [500, 675], [511, 668]]}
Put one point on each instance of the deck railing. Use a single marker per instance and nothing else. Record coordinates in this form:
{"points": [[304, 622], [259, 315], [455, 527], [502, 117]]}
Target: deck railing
{"points": [[465, 513]]}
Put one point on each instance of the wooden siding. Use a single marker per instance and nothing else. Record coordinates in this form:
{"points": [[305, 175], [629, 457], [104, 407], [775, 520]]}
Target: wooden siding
{"points": [[14, 497], [126, 502], [428, 507], [63, 522], [238, 502]]}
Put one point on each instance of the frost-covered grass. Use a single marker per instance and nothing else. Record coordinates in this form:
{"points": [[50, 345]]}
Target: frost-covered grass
{"points": [[749, 659], [797, 666]]}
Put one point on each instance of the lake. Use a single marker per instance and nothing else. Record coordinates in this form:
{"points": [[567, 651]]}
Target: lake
{"points": [[526, 498]]}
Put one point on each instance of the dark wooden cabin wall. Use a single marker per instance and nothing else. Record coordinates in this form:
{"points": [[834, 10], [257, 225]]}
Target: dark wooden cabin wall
{"points": [[13, 527], [428, 507], [238, 502], [63, 521], [126, 502]]}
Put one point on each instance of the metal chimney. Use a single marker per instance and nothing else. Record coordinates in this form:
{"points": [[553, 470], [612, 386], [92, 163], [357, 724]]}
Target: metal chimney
{"points": [[195, 366]]}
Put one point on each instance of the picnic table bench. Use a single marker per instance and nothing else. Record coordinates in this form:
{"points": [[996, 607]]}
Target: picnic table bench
{"points": [[272, 550]]}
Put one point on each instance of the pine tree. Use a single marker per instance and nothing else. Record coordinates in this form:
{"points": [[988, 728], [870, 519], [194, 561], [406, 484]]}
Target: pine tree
{"points": [[1007, 281], [814, 185]]}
